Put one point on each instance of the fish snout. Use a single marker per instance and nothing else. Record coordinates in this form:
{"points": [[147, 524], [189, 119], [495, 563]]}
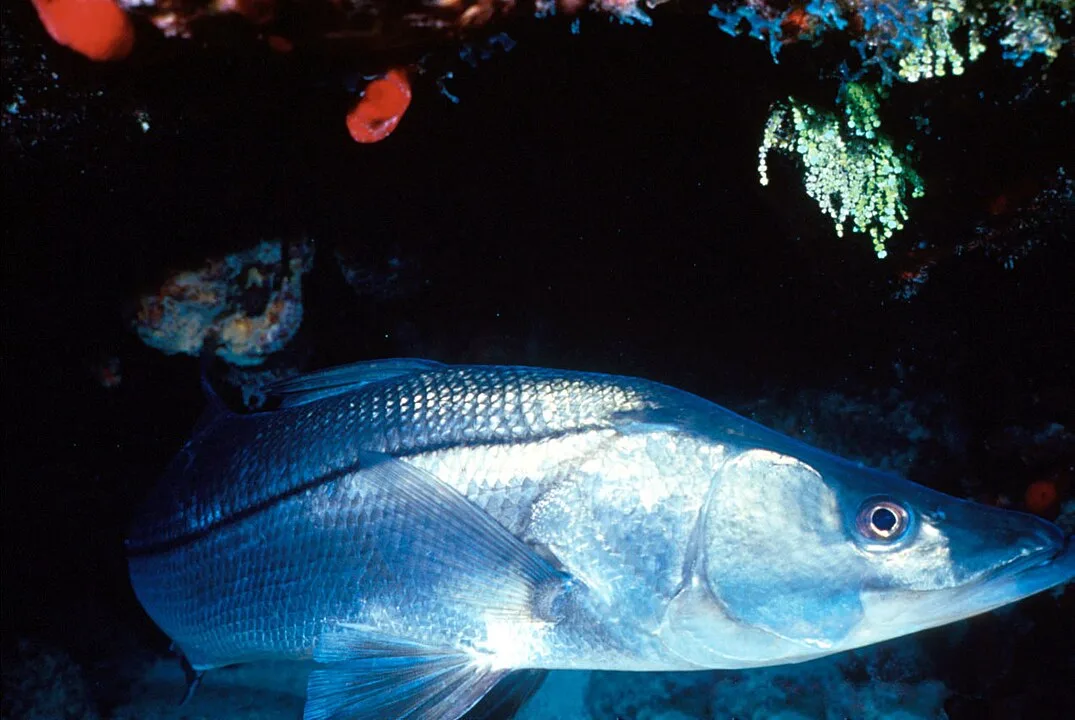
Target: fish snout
{"points": [[1039, 543], [1028, 550]]}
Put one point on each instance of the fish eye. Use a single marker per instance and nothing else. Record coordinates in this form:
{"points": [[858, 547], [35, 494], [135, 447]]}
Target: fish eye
{"points": [[882, 520]]}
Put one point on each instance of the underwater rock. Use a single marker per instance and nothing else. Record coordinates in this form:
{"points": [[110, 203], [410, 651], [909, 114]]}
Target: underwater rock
{"points": [[883, 429], [648, 696], [44, 683], [249, 303], [258, 691], [886, 681]]}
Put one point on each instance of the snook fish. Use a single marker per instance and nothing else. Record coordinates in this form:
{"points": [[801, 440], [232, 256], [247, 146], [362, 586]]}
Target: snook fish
{"points": [[423, 531]]}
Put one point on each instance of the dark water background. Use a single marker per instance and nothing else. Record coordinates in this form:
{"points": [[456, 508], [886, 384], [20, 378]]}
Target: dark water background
{"points": [[591, 203]]}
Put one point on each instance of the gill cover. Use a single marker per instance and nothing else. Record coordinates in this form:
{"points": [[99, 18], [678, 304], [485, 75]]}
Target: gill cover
{"points": [[774, 576]]}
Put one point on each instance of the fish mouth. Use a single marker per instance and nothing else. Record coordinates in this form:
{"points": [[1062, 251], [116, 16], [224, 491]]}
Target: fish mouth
{"points": [[1054, 554], [1050, 564], [1057, 547], [1063, 548]]}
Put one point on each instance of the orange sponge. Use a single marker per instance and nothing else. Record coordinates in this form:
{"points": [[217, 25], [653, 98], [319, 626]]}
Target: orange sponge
{"points": [[383, 103], [98, 29]]}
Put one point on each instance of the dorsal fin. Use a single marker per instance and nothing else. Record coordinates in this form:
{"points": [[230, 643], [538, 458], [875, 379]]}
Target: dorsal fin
{"points": [[321, 384], [215, 407]]}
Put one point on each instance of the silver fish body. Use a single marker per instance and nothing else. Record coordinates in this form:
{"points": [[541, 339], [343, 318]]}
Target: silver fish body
{"points": [[422, 530]]}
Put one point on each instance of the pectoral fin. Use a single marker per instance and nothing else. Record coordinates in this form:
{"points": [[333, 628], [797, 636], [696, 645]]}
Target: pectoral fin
{"points": [[460, 552], [462, 555]]}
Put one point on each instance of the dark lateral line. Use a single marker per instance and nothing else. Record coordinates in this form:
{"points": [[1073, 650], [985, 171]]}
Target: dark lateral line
{"points": [[179, 541], [163, 546]]}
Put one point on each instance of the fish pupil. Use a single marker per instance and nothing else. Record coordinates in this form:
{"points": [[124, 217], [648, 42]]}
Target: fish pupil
{"points": [[884, 520]]}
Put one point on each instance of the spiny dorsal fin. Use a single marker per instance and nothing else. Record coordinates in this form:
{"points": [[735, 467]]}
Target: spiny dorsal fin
{"points": [[321, 384], [215, 407]]}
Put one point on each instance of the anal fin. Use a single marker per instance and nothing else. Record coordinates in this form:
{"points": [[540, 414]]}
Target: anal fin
{"points": [[194, 679]]}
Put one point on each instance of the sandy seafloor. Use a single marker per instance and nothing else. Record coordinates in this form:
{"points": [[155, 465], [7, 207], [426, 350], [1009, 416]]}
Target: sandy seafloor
{"points": [[818, 690], [889, 682]]}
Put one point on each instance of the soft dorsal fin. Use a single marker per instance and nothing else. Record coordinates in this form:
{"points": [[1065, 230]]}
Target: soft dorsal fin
{"points": [[321, 384]]}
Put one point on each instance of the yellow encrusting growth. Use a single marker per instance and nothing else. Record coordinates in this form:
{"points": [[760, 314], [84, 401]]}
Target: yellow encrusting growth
{"points": [[851, 171], [932, 53]]}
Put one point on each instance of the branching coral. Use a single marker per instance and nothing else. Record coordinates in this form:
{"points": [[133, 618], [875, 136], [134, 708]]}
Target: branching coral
{"points": [[910, 39], [1029, 28]]}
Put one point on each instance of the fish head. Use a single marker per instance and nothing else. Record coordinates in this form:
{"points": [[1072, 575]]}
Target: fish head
{"points": [[802, 555]]}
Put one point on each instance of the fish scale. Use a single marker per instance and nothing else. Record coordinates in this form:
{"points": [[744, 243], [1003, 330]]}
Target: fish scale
{"points": [[266, 455], [272, 514]]}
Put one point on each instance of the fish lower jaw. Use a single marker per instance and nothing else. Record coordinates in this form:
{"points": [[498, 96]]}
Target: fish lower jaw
{"points": [[887, 615]]}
